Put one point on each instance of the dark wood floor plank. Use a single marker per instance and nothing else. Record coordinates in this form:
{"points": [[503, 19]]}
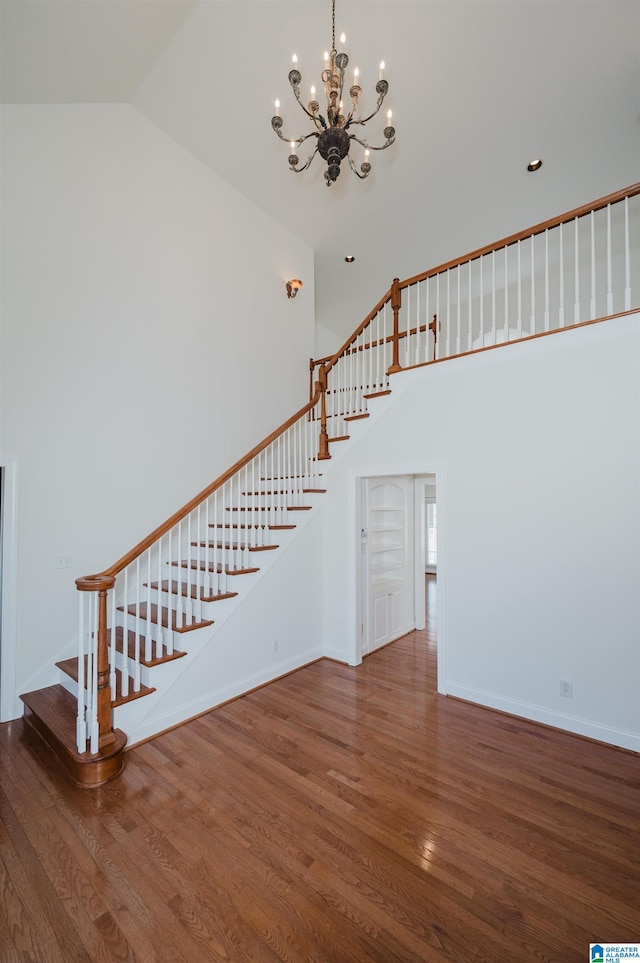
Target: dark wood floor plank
{"points": [[340, 815]]}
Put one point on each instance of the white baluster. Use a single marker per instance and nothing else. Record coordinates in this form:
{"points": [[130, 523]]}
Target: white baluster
{"points": [[493, 297], [546, 280], [207, 582], [81, 720], [576, 279], [217, 539], [519, 269], [192, 576], [446, 351], [147, 640], [593, 305], [159, 644], [280, 515], [95, 732], [202, 561], [136, 681], [532, 322], [627, 258], [243, 541], [377, 371], [469, 308], [561, 304], [481, 265], [449, 326], [168, 635], [506, 293], [113, 650], [407, 350], [357, 389], [256, 486], [136, 669], [609, 264], [126, 671], [459, 307]]}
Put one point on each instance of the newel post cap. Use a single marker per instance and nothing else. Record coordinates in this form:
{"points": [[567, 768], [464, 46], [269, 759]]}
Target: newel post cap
{"points": [[95, 583]]}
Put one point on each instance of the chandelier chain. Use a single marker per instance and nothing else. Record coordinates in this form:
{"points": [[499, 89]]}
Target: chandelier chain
{"points": [[333, 26]]}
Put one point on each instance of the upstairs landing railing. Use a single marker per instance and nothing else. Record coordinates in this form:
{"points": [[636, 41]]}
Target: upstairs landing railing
{"points": [[571, 270]]}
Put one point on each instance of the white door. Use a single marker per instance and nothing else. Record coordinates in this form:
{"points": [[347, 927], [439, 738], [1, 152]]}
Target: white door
{"points": [[388, 560]]}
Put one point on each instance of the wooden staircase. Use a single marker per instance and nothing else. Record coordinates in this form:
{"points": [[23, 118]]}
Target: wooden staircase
{"points": [[50, 713], [171, 583]]}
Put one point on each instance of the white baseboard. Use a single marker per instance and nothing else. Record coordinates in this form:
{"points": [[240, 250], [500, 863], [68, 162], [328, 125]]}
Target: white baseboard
{"points": [[558, 720], [147, 728]]}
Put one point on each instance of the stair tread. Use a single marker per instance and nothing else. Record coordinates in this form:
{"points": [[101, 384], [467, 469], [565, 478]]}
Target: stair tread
{"points": [[131, 648], [270, 528], [57, 708], [142, 613], [235, 546], [274, 508], [287, 477], [70, 668], [218, 569], [288, 491], [339, 438], [364, 414], [378, 394], [193, 593]]}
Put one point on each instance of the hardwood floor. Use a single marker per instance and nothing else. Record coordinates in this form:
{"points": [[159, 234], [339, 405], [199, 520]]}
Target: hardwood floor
{"points": [[338, 815]]}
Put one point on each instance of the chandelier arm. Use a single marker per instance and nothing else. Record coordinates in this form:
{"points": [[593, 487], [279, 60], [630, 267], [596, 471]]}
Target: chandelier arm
{"points": [[299, 170], [389, 141], [295, 140], [355, 170], [364, 120], [319, 121], [381, 97]]}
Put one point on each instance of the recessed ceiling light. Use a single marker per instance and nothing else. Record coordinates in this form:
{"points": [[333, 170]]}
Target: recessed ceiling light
{"points": [[535, 164], [350, 258]]}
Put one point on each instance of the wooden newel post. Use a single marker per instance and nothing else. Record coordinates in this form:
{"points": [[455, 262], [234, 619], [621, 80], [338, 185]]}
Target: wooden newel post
{"points": [[396, 302], [102, 584], [433, 327], [323, 450]]}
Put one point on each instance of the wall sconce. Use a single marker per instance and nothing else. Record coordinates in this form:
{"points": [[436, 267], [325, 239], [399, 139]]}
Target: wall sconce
{"points": [[293, 287]]}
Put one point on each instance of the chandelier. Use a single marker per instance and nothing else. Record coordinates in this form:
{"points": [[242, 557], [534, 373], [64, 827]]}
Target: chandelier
{"points": [[332, 131]]}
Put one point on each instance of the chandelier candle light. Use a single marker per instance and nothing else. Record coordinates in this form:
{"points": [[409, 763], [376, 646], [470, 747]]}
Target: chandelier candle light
{"points": [[331, 133]]}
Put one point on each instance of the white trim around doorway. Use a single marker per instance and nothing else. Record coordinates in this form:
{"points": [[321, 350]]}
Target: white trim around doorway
{"points": [[10, 705], [354, 592]]}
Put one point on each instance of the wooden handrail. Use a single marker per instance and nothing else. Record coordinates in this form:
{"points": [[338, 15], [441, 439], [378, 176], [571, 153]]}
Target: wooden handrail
{"points": [[522, 235], [334, 358], [93, 582], [620, 195]]}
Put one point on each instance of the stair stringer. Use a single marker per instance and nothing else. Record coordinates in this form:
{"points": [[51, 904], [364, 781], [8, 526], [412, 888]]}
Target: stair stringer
{"points": [[279, 603]]}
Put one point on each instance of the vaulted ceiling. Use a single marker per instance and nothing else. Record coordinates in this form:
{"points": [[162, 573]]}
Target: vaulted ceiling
{"points": [[477, 88]]}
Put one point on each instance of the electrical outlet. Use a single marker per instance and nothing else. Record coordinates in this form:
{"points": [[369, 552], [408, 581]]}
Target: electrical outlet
{"points": [[566, 689], [274, 645], [63, 561]]}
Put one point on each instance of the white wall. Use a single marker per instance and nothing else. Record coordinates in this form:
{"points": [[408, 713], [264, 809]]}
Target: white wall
{"points": [[327, 342], [536, 448], [147, 343]]}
